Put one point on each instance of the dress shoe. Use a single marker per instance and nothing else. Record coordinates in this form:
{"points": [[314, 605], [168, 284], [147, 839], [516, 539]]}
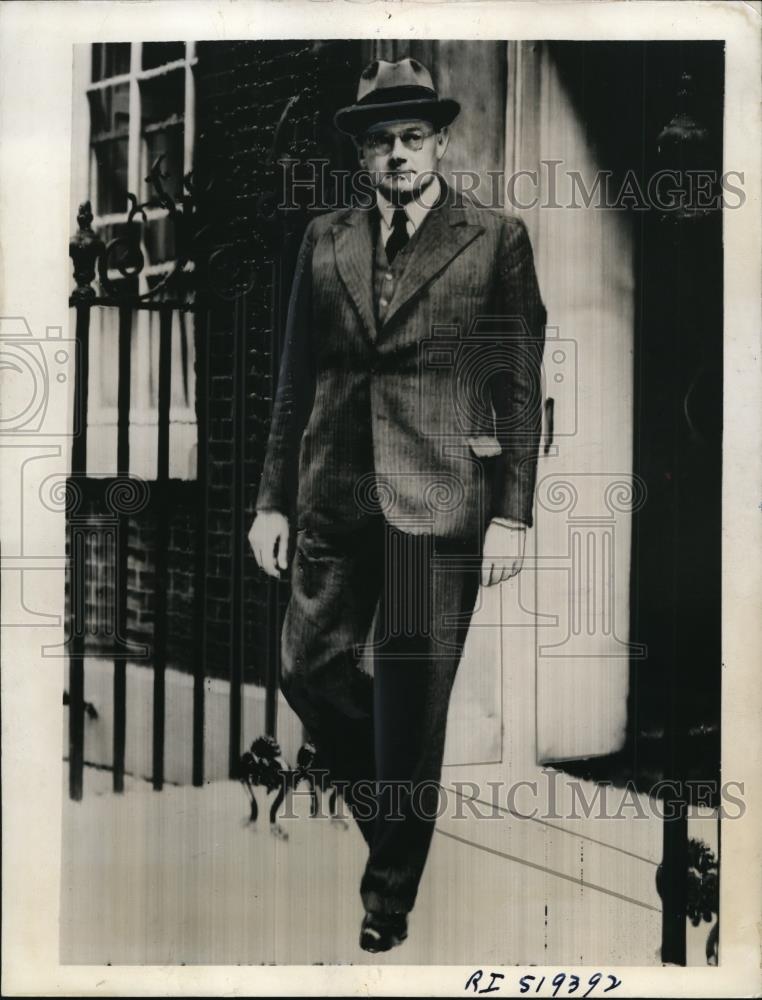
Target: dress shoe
{"points": [[380, 931]]}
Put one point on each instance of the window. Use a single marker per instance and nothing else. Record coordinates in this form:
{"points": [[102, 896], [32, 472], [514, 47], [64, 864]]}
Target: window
{"points": [[139, 98]]}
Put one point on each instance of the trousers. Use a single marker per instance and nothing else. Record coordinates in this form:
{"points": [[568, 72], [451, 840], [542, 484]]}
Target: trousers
{"points": [[380, 734]]}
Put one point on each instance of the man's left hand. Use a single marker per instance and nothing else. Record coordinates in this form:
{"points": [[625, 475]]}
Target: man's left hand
{"points": [[503, 553]]}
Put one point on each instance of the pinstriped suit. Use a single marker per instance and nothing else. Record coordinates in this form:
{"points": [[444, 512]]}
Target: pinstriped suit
{"points": [[445, 424], [369, 400]]}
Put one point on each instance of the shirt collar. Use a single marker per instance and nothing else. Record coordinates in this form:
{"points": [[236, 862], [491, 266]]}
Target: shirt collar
{"points": [[416, 209]]}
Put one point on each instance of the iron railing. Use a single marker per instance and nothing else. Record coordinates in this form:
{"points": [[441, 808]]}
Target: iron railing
{"points": [[179, 290]]}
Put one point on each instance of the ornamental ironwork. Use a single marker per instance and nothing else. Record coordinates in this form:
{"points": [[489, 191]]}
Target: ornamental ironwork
{"points": [[200, 263]]}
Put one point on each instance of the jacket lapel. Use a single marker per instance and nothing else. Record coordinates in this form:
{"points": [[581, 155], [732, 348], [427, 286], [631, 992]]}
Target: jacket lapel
{"points": [[353, 245], [444, 234]]}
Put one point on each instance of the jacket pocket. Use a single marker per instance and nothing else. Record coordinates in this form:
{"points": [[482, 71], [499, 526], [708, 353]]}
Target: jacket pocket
{"points": [[484, 445]]}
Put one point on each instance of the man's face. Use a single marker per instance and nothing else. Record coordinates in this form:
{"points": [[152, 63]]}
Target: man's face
{"points": [[401, 156]]}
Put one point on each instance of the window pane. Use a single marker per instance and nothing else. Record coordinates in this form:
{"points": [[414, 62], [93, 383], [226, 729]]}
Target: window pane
{"points": [[105, 333], [168, 142], [110, 59], [116, 230], [111, 165], [159, 236], [158, 53], [162, 98], [183, 437], [182, 428], [162, 103], [104, 327], [182, 383], [110, 110]]}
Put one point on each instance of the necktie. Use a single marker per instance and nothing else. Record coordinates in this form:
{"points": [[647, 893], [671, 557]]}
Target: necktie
{"points": [[399, 236]]}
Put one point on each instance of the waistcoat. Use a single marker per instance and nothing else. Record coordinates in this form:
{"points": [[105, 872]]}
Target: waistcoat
{"points": [[386, 275]]}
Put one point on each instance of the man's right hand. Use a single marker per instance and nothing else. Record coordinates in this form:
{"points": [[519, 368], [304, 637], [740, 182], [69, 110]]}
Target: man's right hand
{"points": [[268, 538]]}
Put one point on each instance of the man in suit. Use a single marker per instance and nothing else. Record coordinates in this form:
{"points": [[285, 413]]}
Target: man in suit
{"points": [[403, 449]]}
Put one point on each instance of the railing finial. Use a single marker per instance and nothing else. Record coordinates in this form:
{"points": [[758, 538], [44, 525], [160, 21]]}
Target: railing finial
{"points": [[85, 249]]}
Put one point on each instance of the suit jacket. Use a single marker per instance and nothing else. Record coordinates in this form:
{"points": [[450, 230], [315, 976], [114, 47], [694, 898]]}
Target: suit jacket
{"points": [[433, 416]]}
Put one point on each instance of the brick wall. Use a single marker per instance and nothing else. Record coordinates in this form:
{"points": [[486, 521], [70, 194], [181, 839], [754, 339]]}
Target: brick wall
{"points": [[243, 90], [99, 581]]}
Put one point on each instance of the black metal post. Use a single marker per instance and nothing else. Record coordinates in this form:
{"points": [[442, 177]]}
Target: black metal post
{"points": [[202, 330], [77, 558], [122, 547], [161, 568]]}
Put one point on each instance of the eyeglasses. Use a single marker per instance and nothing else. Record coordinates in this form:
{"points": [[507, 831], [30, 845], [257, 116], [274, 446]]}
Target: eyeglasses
{"points": [[382, 143]]}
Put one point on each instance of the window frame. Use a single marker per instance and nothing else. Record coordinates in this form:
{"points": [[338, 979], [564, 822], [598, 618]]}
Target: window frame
{"points": [[144, 408]]}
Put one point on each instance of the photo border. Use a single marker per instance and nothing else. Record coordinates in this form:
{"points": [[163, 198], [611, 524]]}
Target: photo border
{"points": [[35, 225]]}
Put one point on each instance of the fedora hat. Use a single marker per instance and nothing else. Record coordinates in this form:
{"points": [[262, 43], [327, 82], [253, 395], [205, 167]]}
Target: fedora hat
{"points": [[395, 91]]}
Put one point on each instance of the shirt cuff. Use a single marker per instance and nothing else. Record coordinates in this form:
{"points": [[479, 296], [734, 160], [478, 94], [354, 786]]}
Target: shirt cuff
{"points": [[508, 522]]}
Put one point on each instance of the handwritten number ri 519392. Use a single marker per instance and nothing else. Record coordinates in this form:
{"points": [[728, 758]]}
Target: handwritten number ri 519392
{"points": [[563, 983]]}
